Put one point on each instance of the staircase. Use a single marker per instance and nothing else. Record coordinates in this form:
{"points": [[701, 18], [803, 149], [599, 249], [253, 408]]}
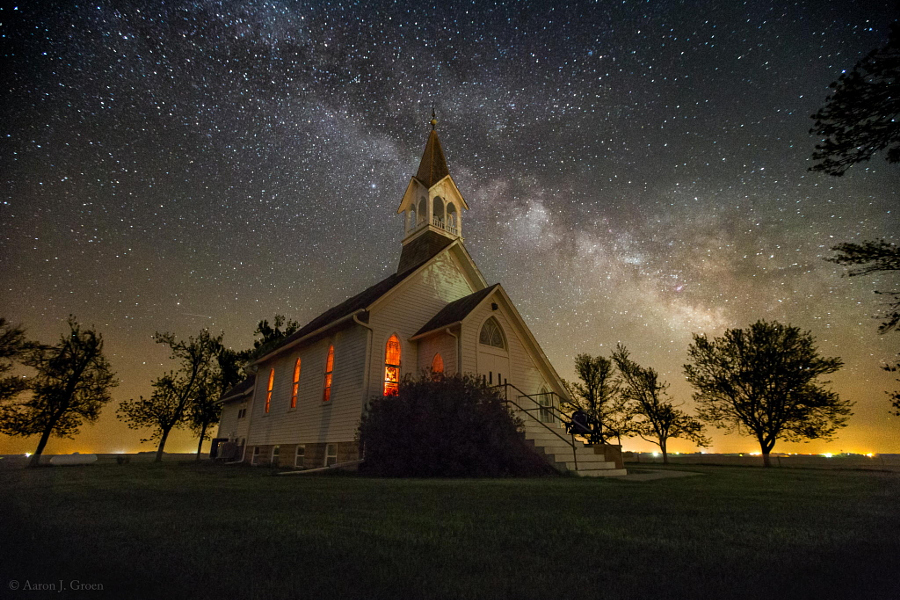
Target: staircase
{"points": [[544, 429]]}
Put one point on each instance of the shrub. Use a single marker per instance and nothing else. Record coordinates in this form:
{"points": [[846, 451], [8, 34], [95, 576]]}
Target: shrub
{"points": [[437, 426]]}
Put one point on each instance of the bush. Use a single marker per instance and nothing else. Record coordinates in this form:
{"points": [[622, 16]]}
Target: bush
{"points": [[438, 426]]}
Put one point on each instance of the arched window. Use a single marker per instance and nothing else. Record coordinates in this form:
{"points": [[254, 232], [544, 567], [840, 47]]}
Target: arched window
{"points": [[296, 386], [423, 209], [392, 366], [491, 334], [437, 364], [329, 368], [269, 389], [451, 217], [437, 211]]}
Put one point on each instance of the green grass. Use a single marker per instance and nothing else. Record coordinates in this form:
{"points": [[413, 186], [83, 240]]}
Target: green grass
{"points": [[204, 531]]}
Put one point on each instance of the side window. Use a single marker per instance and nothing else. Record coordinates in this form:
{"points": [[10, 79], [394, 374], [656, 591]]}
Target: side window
{"points": [[298, 457], [330, 454], [276, 452], [296, 387], [437, 364], [392, 366], [269, 389], [329, 369]]}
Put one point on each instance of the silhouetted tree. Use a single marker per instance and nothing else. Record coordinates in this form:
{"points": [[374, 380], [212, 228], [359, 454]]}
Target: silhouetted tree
{"points": [[763, 380], [72, 383], [597, 392], [204, 409], [862, 115], [173, 393], [876, 257], [271, 335], [453, 426], [12, 349], [653, 417]]}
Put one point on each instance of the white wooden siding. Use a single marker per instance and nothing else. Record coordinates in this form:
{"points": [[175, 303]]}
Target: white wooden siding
{"points": [[313, 420], [408, 308], [440, 342], [524, 373]]}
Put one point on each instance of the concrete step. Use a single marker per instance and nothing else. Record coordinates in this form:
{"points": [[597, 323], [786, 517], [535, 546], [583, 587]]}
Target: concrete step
{"points": [[603, 473]]}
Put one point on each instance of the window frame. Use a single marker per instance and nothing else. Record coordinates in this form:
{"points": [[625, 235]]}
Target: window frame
{"points": [[329, 374], [295, 387], [299, 454], [327, 455], [271, 383], [390, 386]]}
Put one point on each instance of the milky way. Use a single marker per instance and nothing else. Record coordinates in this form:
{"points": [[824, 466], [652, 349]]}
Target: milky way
{"points": [[636, 172]]}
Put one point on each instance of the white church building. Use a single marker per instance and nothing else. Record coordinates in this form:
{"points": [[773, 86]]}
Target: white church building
{"points": [[437, 312]]}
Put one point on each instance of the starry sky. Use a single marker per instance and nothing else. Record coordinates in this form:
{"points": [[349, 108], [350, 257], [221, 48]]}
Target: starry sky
{"points": [[636, 172]]}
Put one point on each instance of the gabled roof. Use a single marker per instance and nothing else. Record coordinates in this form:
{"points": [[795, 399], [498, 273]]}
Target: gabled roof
{"points": [[433, 167], [456, 311], [421, 249], [363, 300], [240, 390]]}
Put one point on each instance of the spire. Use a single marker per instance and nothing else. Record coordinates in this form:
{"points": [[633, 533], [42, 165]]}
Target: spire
{"points": [[433, 167]]}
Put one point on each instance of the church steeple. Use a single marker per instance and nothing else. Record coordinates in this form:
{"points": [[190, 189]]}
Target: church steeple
{"points": [[432, 205], [433, 166]]}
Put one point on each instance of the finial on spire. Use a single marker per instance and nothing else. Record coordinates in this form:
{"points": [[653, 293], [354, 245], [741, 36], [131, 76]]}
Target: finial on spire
{"points": [[433, 119]]}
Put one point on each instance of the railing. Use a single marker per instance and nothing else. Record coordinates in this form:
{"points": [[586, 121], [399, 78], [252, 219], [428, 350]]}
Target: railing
{"points": [[438, 222], [541, 409]]}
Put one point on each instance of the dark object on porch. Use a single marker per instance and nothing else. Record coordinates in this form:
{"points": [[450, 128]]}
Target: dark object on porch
{"points": [[582, 424]]}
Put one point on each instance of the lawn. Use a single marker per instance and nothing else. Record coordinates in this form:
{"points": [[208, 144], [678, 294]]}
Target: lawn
{"points": [[208, 531]]}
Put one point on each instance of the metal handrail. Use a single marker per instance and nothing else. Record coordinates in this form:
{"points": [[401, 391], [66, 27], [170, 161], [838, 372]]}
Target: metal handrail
{"points": [[522, 394]]}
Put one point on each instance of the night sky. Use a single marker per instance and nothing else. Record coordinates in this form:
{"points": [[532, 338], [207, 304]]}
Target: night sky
{"points": [[636, 172]]}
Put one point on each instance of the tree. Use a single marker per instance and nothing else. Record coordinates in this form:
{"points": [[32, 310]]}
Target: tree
{"points": [[71, 385], [653, 417], [271, 336], [876, 257], [873, 257], [173, 393], [445, 426], [204, 409], [862, 115], [763, 380], [597, 392], [12, 348]]}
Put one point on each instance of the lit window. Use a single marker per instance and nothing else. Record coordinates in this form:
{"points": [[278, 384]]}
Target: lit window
{"points": [[330, 454], [296, 387], [392, 366], [269, 389], [298, 458], [329, 368], [491, 334], [437, 364]]}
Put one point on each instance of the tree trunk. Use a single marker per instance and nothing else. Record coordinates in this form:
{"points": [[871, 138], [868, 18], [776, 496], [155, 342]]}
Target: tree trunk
{"points": [[162, 444], [766, 461], [200, 445], [765, 449], [662, 447], [36, 457]]}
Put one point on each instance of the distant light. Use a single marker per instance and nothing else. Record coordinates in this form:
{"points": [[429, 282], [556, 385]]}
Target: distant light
{"points": [[755, 453], [656, 454], [828, 455], [870, 455], [28, 455]]}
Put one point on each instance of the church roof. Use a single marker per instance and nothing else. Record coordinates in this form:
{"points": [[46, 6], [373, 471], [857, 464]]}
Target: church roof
{"points": [[421, 249], [456, 311], [365, 298], [433, 167], [240, 390]]}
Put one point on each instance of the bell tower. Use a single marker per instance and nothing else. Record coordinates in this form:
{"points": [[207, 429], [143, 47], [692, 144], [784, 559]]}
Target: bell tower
{"points": [[432, 204]]}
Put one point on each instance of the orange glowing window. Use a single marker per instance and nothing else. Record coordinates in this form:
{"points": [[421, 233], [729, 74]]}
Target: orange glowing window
{"points": [[392, 366], [437, 365], [329, 367], [269, 389], [296, 387]]}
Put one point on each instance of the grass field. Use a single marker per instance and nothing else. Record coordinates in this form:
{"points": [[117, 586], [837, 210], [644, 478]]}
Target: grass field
{"points": [[208, 531]]}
